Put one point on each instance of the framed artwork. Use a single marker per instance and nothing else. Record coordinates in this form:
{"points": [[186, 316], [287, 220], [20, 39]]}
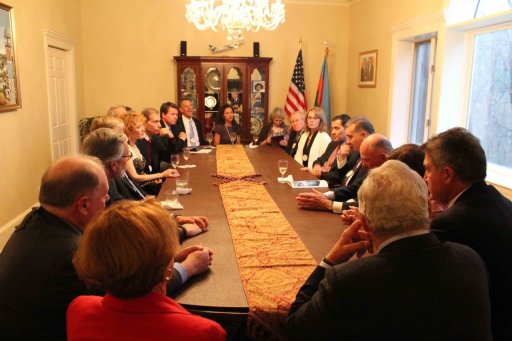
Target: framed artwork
{"points": [[367, 71], [10, 98]]}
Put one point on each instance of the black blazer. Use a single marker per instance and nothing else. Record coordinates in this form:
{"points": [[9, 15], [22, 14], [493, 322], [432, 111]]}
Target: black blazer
{"points": [[120, 189], [37, 278], [156, 152], [482, 219], [181, 127], [174, 145], [293, 142], [415, 288]]}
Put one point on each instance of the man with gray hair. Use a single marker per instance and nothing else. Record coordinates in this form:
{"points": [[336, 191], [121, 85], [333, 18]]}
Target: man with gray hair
{"points": [[37, 278], [477, 215], [413, 288]]}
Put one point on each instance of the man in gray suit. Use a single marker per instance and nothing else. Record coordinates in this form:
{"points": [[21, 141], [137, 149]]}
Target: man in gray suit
{"points": [[413, 288]]}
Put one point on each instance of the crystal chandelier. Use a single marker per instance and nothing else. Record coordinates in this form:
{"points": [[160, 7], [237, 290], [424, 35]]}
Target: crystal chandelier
{"points": [[234, 16]]}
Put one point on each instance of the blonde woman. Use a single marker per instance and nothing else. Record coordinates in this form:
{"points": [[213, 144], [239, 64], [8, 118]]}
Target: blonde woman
{"points": [[275, 132], [314, 140], [129, 251], [134, 128]]}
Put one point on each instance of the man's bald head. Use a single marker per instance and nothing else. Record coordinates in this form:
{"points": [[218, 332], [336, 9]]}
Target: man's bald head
{"points": [[69, 178], [373, 150]]}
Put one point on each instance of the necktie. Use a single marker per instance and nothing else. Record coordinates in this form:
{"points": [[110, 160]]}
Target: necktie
{"points": [[351, 173], [142, 196], [331, 159], [193, 140]]}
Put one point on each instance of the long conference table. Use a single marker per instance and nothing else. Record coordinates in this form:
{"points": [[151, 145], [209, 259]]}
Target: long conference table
{"points": [[218, 294]]}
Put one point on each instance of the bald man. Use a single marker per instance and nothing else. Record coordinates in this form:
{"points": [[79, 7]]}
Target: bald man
{"points": [[373, 150], [37, 278]]}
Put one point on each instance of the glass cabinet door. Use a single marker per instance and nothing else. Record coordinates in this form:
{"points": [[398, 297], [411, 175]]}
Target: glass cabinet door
{"points": [[235, 93], [257, 101], [212, 92], [188, 87]]}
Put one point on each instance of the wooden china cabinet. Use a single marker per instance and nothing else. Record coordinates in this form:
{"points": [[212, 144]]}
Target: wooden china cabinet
{"points": [[211, 82]]}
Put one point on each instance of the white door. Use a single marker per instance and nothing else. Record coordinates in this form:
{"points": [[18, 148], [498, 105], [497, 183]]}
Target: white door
{"points": [[60, 102]]}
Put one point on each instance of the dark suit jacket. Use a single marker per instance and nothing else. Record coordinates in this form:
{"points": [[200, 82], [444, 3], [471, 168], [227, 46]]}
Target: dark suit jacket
{"points": [[181, 127], [332, 175], [174, 145], [482, 219], [414, 289], [292, 139], [349, 191], [153, 154], [37, 278]]}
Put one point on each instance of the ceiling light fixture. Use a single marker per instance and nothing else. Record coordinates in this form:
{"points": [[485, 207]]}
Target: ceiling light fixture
{"points": [[235, 16]]}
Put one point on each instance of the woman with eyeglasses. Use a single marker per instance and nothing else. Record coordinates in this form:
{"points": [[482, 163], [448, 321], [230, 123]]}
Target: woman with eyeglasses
{"points": [[134, 128], [314, 140], [128, 250]]}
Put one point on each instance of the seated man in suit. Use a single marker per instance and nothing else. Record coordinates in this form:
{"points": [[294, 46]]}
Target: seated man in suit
{"points": [[296, 130], [37, 278], [373, 154], [111, 148], [477, 215], [172, 136], [190, 125], [413, 288], [326, 165], [152, 146]]}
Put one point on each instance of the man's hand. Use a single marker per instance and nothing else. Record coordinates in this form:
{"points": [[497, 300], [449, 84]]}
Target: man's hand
{"points": [[192, 230], [198, 261], [343, 153], [283, 143], [166, 132], [350, 215], [353, 240], [200, 221], [183, 253], [317, 170], [314, 200], [182, 135]]}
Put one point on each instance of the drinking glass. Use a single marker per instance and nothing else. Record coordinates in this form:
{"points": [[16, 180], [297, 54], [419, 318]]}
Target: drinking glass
{"points": [[283, 167], [255, 138], [186, 153], [175, 160], [171, 197], [209, 138], [233, 138]]}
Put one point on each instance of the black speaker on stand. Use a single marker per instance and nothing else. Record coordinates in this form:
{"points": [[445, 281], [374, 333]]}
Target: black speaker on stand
{"points": [[183, 48], [256, 49]]}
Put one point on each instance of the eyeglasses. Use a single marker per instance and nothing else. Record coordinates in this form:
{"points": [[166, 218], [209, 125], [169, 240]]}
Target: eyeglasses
{"points": [[129, 156]]}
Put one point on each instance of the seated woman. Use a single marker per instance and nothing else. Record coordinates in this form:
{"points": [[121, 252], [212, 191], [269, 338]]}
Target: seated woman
{"points": [[314, 140], [275, 132], [134, 129], [226, 130], [128, 250]]}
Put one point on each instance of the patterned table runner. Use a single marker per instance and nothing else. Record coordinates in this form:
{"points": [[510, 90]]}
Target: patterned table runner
{"points": [[273, 261]]}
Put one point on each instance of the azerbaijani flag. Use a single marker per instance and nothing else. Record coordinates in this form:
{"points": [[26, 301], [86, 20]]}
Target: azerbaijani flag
{"points": [[323, 93]]}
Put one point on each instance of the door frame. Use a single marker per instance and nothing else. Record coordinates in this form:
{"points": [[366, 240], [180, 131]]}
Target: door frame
{"points": [[62, 42]]}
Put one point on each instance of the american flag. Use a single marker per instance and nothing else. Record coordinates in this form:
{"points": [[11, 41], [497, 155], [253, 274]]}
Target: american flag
{"points": [[296, 99]]}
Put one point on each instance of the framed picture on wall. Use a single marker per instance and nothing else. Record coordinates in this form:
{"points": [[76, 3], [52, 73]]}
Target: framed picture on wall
{"points": [[367, 69], [10, 98]]}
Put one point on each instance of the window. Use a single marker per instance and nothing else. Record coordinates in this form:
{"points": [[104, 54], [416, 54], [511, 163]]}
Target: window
{"points": [[490, 96], [419, 112]]}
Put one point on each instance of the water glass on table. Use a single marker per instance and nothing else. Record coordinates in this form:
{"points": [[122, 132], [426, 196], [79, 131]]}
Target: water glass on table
{"points": [[282, 165]]}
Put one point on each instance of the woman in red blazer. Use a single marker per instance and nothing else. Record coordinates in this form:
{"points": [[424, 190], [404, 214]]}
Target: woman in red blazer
{"points": [[128, 250]]}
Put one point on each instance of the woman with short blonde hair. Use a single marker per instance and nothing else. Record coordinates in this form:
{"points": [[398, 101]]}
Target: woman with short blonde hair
{"points": [[275, 132], [128, 250]]}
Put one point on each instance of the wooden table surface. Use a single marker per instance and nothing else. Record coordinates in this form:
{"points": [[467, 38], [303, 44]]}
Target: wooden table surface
{"points": [[218, 294]]}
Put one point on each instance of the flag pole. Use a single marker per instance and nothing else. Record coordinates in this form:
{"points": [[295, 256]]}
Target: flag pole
{"points": [[300, 42]]}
